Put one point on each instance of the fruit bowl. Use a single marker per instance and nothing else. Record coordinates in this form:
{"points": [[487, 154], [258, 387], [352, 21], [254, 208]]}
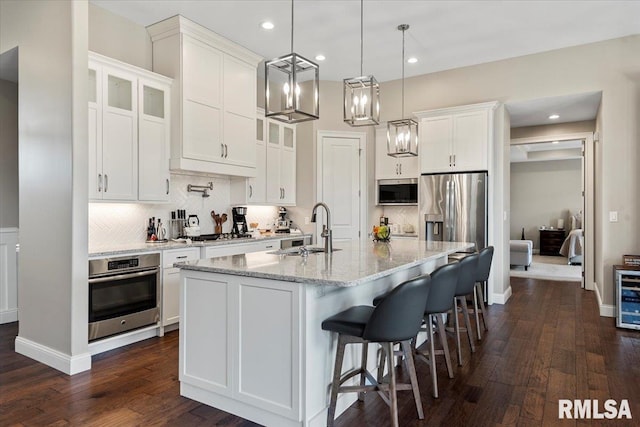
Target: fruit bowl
{"points": [[381, 233]]}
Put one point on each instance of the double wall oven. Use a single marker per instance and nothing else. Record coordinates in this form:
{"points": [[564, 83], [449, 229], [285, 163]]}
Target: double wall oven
{"points": [[124, 294]]}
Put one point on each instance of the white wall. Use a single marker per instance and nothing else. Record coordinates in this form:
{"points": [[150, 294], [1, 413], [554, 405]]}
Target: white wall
{"points": [[612, 67], [9, 157], [542, 193], [117, 37], [52, 131]]}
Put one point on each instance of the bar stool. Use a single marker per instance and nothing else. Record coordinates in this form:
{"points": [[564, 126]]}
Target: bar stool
{"points": [[464, 287], [396, 319], [485, 257], [439, 302]]}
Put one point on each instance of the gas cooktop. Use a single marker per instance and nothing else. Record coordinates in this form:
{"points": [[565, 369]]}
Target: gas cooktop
{"points": [[221, 236]]}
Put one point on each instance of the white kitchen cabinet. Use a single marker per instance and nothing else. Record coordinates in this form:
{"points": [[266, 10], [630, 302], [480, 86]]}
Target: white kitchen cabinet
{"points": [[253, 191], [171, 282], [456, 139], [388, 167], [214, 98], [281, 163], [153, 140], [128, 125]]}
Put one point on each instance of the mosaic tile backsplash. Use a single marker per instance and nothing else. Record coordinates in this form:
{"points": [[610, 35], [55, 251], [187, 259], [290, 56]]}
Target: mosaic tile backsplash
{"points": [[124, 223]]}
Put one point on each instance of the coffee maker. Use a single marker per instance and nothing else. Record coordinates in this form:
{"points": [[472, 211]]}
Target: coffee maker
{"points": [[283, 224], [239, 215]]}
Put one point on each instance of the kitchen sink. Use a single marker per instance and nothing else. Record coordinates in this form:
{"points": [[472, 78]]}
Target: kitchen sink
{"points": [[297, 251]]}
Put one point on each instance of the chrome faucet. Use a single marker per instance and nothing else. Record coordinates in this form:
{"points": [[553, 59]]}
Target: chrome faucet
{"points": [[326, 229]]}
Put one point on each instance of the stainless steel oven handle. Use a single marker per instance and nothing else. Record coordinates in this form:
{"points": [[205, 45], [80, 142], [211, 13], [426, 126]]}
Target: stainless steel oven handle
{"points": [[124, 276]]}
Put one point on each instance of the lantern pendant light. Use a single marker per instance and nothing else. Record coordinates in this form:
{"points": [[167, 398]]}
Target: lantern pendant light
{"points": [[292, 87], [402, 135], [361, 94]]}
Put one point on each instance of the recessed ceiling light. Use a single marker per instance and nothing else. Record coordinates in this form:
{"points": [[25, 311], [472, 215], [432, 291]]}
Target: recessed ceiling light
{"points": [[412, 60], [266, 25], [554, 117], [320, 57], [555, 142]]}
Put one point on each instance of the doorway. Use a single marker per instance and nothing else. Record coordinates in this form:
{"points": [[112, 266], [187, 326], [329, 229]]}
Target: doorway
{"points": [[563, 238], [341, 180]]}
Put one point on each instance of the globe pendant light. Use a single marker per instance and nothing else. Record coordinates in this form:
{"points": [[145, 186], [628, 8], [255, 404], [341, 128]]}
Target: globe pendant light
{"points": [[291, 87], [361, 94], [402, 135]]}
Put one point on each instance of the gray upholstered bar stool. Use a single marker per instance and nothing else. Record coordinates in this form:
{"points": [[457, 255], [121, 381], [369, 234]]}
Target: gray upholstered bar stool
{"points": [[439, 302], [485, 257], [396, 319], [464, 287]]}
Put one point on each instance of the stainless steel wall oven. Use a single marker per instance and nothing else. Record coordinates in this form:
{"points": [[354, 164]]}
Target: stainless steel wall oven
{"points": [[123, 294]]}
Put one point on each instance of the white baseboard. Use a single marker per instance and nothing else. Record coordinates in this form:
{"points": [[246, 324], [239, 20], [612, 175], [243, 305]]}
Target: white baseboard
{"points": [[8, 316], [70, 365], [121, 340], [606, 310], [501, 298]]}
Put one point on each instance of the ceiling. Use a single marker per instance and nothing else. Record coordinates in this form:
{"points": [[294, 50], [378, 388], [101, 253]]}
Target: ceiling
{"points": [[569, 108], [545, 151], [443, 34]]}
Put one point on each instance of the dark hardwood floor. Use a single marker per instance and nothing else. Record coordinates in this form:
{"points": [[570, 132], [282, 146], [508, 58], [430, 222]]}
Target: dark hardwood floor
{"points": [[547, 343]]}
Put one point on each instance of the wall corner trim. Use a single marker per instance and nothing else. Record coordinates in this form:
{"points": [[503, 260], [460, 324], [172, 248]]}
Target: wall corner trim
{"points": [[503, 297], [606, 310], [65, 363]]}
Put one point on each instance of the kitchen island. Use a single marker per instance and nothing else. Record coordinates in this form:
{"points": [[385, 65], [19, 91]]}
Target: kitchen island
{"points": [[251, 341]]}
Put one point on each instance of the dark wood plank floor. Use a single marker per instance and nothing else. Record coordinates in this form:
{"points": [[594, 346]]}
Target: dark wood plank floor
{"points": [[547, 343]]}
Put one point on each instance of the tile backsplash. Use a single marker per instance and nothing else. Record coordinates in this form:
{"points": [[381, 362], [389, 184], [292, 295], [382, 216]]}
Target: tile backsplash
{"points": [[401, 215], [125, 223]]}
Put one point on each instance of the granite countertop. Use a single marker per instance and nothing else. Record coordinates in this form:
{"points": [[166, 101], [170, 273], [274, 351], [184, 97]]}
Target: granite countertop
{"points": [[354, 264], [110, 249]]}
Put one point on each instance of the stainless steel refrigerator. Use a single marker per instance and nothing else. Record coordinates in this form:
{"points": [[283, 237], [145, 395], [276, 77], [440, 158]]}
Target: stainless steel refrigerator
{"points": [[453, 207]]}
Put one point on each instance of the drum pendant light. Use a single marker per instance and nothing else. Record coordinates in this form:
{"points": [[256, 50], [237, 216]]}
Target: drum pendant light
{"points": [[402, 135], [361, 94], [292, 85]]}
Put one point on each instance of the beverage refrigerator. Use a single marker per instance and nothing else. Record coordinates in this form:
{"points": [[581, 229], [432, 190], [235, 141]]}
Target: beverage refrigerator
{"points": [[453, 207]]}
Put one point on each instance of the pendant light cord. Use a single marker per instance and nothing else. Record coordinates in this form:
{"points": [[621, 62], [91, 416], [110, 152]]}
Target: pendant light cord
{"points": [[361, 34], [291, 26], [403, 30]]}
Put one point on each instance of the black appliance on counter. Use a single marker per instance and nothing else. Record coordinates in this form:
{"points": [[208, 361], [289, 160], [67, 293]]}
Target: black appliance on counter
{"points": [[123, 294], [240, 227]]}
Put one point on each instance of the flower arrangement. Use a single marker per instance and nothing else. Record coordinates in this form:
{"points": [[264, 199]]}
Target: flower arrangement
{"points": [[381, 233]]}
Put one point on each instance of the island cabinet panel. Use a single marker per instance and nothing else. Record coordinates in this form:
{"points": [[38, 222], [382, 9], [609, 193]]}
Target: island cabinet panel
{"points": [[204, 327], [268, 370]]}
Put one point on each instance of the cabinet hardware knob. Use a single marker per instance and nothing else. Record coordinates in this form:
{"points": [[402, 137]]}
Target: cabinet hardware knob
{"points": [[106, 183], [99, 182], [167, 185]]}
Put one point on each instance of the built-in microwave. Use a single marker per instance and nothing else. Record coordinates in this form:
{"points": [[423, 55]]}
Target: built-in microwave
{"points": [[397, 191]]}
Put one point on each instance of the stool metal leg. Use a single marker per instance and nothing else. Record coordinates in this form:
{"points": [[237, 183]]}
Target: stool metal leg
{"points": [[456, 322], [467, 322], [363, 366], [432, 356], [482, 306], [408, 357], [335, 386], [444, 344], [475, 311], [393, 398]]}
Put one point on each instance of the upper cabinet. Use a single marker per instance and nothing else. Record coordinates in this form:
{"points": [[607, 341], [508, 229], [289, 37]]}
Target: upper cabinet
{"points": [[275, 180], [281, 163], [388, 167], [129, 129], [214, 98], [456, 139]]}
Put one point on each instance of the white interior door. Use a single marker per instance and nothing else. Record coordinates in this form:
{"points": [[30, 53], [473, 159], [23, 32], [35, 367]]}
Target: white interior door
{"points": [[340, 175]]}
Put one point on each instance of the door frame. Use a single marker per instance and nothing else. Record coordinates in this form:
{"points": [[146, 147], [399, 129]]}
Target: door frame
{"points": [[588, 215], [362, 145]]}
